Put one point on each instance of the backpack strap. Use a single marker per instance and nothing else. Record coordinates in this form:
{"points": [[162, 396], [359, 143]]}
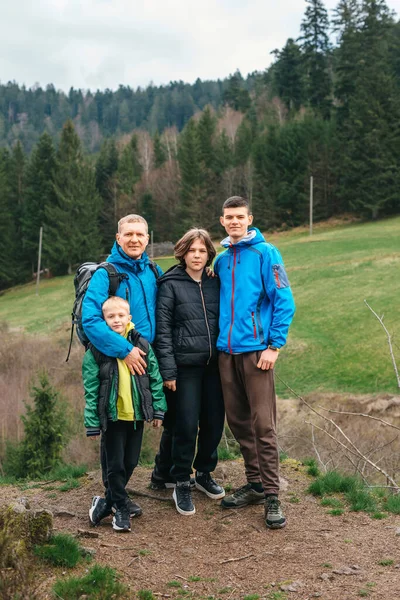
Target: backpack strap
{"points": [[154, 268], [115, 278]]}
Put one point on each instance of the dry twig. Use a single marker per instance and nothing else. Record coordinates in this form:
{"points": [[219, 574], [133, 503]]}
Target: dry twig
{"points": [[351, 414], [389, 341], [228, 560], [353, 448]]}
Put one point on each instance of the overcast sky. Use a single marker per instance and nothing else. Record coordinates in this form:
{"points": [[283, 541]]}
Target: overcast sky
{"points": [[103, 43]]}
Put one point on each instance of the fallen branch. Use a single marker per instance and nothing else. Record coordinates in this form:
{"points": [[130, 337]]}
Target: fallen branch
{"points": [[389, 340], [229, 560]]}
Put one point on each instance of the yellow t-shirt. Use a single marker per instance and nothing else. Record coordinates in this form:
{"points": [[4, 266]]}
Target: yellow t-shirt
{"points": [[125, 383]]}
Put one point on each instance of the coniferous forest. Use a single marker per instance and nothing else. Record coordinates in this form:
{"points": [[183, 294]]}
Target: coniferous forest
{"points": [[328, 106]]}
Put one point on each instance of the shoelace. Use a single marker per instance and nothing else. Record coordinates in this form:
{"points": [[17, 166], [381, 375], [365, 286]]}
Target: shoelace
{"points": [[184, 490], [274, 507], [243, 490]]}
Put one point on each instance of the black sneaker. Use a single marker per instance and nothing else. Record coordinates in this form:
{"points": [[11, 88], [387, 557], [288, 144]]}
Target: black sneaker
{"points": [[205, 483], [161, 483], [134, 509], [244, 496], [121, 520], [182, 496], [99, 510], [274, 517]]}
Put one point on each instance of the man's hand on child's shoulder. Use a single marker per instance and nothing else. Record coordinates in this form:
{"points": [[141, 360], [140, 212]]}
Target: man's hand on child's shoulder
{"points": [[157, 422]]}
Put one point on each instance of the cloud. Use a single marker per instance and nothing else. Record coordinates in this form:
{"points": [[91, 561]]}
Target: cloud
{"points": [[104, 43]]}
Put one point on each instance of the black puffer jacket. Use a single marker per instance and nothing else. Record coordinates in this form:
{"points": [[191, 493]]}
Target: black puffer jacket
{"points": [[186, 321]]}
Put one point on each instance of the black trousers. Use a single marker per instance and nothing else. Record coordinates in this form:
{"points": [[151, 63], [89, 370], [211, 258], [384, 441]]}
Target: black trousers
{"points": [[199, 417], [163, 459], [119, 455]]}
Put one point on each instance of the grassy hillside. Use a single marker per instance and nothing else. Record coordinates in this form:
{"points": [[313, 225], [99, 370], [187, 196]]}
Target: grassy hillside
{"points": [[335, 342]]}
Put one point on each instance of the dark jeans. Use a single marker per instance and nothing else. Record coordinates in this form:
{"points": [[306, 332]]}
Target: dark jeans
{"points": [[119, 455], [163, 459], [199, 416]]}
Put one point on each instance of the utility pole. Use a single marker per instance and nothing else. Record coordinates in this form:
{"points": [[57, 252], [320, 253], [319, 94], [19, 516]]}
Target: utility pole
{"points": [[39, 261], [311, 202]]}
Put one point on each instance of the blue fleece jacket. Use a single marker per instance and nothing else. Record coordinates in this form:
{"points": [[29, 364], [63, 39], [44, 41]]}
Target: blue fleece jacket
{"points": [[140, 289], [257, 305]]}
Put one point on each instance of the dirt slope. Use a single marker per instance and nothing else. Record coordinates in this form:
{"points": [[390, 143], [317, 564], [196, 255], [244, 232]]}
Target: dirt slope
{"points": [[231, 554]]}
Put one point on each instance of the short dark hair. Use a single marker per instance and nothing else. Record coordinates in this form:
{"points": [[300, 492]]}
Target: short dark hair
{"points": [[182, 246], [236, 202]]}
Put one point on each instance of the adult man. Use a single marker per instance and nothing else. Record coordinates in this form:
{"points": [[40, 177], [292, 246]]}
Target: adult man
{"points": [[256, 309], [140, 289]]}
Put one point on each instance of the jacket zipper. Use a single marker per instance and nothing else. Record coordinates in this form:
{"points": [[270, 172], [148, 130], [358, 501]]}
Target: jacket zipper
{"points": [[254, 325], [206, 320], [232, 301]]}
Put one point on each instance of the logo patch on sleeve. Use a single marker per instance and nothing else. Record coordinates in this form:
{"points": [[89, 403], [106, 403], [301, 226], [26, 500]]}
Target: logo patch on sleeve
{"points": [[280, 277]]}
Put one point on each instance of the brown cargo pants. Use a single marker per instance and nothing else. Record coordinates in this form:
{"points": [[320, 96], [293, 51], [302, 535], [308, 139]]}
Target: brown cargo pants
{"points": [[250, 404]]}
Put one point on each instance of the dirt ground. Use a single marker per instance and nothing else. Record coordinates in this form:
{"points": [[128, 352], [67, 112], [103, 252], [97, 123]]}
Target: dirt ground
{"points": [[229, 554]]}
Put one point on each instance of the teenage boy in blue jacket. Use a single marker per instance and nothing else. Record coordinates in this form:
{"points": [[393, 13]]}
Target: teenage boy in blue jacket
{"points": [[256, 309]]}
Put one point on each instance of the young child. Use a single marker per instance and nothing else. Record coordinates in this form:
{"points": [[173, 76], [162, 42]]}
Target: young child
{"points": [[117, 404]]}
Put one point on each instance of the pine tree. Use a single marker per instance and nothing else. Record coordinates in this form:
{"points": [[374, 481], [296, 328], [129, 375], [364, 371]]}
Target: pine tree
{"points": [[288, 75], [107, 187], [72, 231], [369, 177], [45, 431], [235, 95], [191, 193], [17, 184], [128, 175], [39, 193], [315, 48], [8, 238], [160, 154], [348, 56]]}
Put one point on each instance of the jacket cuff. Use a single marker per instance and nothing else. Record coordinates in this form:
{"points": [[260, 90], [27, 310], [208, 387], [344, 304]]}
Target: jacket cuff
{"points": [[92, 431], [124, 353], [159, 414]]}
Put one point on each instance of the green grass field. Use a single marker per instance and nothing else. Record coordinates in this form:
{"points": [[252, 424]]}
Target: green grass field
{"points": [[335, 343]]}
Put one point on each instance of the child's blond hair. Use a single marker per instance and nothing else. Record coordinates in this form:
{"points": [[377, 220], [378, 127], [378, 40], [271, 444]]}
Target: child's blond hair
{"points": [[116, 301]]}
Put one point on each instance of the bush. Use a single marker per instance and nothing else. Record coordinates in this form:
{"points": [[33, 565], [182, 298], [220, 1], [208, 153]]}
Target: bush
{"points": [[45, 434]]}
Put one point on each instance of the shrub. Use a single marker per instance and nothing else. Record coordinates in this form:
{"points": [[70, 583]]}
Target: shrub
{"points": [[45, 434]]}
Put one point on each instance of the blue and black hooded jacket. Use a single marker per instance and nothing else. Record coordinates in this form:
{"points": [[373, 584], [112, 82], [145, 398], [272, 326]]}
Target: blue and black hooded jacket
{"points": [[256, 302], [140, 289]]}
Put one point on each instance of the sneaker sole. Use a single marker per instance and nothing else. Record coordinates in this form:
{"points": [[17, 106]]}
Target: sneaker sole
{"points": [[209, 494], [91, 511], [117, 528], [180, 511], [276, 525], [255, 503]]}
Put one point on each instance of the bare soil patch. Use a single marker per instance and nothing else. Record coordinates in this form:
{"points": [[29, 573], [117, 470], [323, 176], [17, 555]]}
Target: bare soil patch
{"points": [[229, 554]]}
